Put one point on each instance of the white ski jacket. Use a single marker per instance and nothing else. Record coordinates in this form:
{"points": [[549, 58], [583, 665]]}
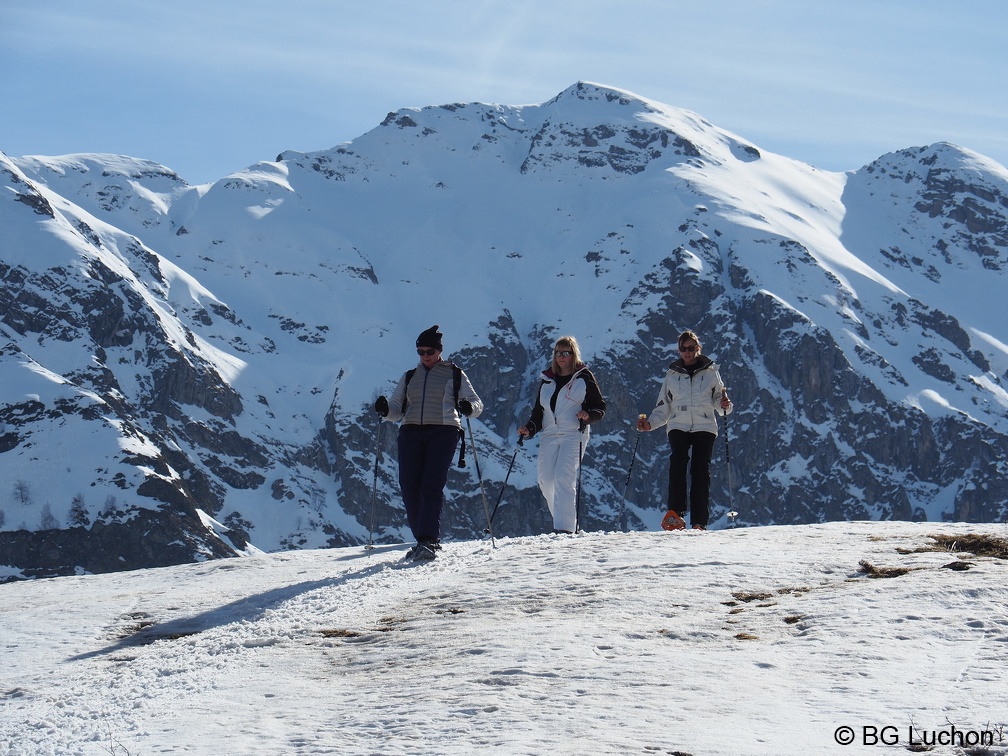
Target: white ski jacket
{"points": [[690, 403], [581, 392]]}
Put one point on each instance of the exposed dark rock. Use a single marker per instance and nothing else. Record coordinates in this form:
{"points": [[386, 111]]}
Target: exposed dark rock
{"points": [[830, 422], [150, 538]]}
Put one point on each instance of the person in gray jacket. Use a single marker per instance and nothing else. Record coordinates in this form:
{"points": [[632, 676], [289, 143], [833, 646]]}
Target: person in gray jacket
{"points": [[429, 400], [688, 405]]}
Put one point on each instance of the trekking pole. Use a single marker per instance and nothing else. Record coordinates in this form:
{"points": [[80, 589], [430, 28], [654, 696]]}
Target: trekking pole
{"points": [[374, 488], [493, 514], [479, 475], [577, 500], [626, 485], [732, 514]]}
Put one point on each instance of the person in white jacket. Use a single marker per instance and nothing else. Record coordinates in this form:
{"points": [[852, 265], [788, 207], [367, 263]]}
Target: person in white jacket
{"points": [[568, 401], [688, 405]]}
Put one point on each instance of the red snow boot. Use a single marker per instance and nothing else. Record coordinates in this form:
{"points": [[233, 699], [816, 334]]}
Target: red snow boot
{"points": [[672, 521]]}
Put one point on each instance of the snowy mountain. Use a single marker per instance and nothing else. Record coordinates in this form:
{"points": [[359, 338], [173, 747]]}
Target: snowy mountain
{"points": [[188, 370], [811, 639]]}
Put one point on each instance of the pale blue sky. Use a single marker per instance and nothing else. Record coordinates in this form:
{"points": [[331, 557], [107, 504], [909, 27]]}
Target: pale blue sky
{"points": [[210, 87]]}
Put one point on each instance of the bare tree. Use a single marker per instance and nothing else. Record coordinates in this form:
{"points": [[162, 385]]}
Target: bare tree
{"points": [[48, 521], [109, 510], [22, 493]]}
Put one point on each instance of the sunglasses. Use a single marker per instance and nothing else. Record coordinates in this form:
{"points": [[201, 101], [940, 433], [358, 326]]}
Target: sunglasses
{"points": [[426, 352], [563, 353], [688, 350]]}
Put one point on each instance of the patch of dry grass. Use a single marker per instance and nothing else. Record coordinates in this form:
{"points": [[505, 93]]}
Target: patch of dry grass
{"points": [[978, 544], [872, 571]]}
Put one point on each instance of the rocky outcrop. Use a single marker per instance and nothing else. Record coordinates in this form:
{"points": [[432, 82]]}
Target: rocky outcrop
{"points": [[145, 539], [229, 370]]}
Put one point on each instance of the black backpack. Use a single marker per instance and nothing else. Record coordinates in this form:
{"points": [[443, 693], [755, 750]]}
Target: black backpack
{"points": [[456, 386]]}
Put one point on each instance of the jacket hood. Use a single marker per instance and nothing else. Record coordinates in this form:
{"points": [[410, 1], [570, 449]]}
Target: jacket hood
{"points": [[549, 375], [703, 362]]}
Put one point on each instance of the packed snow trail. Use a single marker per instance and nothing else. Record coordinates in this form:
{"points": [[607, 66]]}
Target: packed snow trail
{"points": [[755, 641]]}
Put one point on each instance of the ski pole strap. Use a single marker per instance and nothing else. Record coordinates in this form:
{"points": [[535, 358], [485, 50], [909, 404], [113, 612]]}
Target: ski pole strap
{"points": [[462, 448]]}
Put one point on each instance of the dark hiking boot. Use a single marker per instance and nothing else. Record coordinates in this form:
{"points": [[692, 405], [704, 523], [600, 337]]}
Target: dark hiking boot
{"points": [[425, 551]]}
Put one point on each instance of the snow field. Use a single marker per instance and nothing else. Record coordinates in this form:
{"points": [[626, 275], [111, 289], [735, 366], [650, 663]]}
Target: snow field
{"points": [[753, 641]]}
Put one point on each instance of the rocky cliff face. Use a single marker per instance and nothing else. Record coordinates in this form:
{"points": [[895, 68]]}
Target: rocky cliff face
{"points": [[189, 370]]}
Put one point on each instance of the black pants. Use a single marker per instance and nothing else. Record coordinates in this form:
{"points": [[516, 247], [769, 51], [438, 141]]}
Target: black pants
{"points": [[425, 454], [702, 444]]}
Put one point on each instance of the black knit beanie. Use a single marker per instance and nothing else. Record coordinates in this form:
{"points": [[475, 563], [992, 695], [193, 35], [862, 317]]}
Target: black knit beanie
{"points": [[430, 338]]}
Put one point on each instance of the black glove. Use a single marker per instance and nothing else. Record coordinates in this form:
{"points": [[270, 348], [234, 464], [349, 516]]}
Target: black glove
{"points": [[465, 407], [381, 406]]}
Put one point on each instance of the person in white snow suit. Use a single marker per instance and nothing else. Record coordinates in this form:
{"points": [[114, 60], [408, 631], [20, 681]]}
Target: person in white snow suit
{"points": [[692, 396], [568, 401], [429, 400]]}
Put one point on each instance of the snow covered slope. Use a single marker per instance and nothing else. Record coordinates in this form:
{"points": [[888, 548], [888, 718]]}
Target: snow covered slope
{"points": [[179, 350], [761, 641]]}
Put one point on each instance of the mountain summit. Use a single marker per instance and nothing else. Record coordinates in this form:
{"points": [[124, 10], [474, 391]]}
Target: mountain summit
{"points": [[188, 371]]}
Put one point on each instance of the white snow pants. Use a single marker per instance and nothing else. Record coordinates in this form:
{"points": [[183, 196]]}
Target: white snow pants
{"points": [[559, 457]]}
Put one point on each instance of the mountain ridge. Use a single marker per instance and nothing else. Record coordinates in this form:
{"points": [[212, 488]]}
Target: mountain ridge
{"points": [[238, 332]]}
